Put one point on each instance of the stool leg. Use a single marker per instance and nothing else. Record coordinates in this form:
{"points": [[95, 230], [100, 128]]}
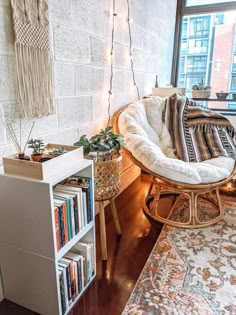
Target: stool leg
{"points": [[115, 216], [103, 230]]}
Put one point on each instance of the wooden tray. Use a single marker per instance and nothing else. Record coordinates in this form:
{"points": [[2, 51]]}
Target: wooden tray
{"points": [[41, 171]]}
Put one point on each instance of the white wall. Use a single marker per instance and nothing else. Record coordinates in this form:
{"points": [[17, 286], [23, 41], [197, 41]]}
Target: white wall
{"points": [[80, 38]]}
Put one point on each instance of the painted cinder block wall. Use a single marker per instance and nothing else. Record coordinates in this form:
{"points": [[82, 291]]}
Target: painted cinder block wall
{"points": [[80, 40]]}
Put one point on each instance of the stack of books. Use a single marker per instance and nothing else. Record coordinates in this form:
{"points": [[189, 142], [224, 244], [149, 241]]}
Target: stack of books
{"points": [[76, 270], [73, 208]]}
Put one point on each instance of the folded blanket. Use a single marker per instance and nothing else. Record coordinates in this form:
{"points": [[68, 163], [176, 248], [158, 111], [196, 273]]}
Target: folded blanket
{"points": [[197, 133]]}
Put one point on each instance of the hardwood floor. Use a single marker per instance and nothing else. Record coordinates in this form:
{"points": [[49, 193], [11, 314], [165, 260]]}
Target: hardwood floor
{"points": [[115, 280]]}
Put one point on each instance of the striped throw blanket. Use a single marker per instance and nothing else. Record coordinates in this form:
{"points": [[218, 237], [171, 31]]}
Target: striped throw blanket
{"points": [[197, 133]]}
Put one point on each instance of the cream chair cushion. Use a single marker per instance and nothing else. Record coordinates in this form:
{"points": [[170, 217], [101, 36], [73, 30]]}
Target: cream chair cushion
{"points": [[148, 139]]}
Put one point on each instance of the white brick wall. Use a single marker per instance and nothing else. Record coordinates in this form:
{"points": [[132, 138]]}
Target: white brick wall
{"points": [[80, 38]]}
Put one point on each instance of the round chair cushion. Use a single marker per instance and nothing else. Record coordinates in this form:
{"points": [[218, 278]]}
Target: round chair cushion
{"points": [[147, 138]]}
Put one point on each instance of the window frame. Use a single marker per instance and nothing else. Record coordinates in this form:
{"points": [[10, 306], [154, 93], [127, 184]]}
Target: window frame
{"points": [[183, 10]]}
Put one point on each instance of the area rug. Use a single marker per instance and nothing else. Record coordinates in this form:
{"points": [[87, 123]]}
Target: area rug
{"points": [[190, 272]]}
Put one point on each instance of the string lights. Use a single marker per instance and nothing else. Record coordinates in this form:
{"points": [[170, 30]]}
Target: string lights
{"points": [[111, 55], [130, 49], [114, 14]]}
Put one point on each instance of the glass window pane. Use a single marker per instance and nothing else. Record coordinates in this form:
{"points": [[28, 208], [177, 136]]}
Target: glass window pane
{"points": [[190, 3], [208, 53]]}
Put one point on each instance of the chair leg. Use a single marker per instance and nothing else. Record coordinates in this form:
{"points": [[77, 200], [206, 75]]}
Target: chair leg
{"points": [[103, 230], [115, 216], [157, 197]]}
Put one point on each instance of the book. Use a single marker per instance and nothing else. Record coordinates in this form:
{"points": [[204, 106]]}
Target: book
{"points": [[78, 192], [73, 208], [57, 228], [61, 204], [87, 186], [62, 291], [64, 287], [64, 262], [85, 213], [67, 198], [79, 260]]}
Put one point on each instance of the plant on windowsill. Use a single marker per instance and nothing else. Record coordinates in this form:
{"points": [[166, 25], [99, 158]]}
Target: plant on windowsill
{"points": [[104, 149], [201, 90]]}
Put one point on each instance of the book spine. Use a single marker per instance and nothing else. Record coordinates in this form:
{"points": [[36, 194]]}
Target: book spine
{"points": [[92, 259], [57, 228], [91, 197], [72, 277], [85, 270], [80, 210], [68, 212], [89, 219], [72, 217], [68, 284], [76, 279], [62, 292], [61, 224], [80, 279], [76, 214], [65, 222], [85, 208]]}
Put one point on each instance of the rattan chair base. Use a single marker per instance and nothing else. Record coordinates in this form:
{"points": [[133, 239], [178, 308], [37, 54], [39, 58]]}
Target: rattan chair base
{"points": [[194, 221]]}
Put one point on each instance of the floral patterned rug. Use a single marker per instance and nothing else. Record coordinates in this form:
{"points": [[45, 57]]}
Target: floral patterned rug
{"points": [[190, 272]]}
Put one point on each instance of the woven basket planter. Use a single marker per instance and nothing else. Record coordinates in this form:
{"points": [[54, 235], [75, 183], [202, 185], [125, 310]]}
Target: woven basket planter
{"points": [[107, 179], [201, 93]]}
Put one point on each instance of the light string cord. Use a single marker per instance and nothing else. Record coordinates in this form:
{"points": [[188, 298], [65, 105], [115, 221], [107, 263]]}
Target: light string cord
{"points": [[130, 50], [111, 64]]}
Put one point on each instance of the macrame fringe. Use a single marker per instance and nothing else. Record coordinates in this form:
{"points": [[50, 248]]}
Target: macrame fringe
{"points": [[35, 80]]}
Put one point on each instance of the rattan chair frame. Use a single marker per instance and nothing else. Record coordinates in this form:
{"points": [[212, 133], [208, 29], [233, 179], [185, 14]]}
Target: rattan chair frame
{"points": [[165, 185]]}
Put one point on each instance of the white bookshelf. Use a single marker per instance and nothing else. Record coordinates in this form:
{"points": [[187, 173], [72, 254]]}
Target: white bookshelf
{"points": [[28, 254]]}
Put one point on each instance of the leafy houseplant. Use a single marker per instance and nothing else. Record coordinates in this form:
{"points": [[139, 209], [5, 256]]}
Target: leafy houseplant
{"points": [[102, 146], [201, 90]]}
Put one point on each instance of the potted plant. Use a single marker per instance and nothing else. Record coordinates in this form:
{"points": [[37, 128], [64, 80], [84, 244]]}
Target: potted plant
{"points": [[201, 90], [101, 147], [38, 146], [104, 149]]}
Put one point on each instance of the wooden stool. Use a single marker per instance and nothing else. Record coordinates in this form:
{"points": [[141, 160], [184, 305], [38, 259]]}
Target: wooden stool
{"points": [[103, 225]]}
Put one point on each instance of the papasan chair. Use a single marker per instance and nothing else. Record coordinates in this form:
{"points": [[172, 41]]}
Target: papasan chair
{"points": [[149, 145]]}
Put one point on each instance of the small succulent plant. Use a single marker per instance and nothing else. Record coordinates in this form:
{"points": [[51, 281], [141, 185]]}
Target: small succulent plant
{"points": [[37, 145], [201, 86]]}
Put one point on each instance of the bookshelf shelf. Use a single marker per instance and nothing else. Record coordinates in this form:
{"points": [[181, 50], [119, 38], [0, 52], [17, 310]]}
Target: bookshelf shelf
{"points": [[29, 257]]}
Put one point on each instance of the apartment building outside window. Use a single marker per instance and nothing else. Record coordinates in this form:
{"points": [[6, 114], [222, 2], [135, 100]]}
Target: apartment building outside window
{"points": [[208, 48]]}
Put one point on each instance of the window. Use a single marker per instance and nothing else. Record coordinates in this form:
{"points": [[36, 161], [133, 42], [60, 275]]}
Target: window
{"points": [[207, 48], [199, 26], [196, 64], [190, 3]]}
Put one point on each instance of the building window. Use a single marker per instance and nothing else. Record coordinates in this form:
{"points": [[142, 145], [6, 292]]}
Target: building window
{"points": [[199, 26], [207, 48]]}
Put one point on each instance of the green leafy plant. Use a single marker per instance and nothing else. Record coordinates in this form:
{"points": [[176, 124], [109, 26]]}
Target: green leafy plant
{"points": [[104, 141], [201, 86], [37, 145]]}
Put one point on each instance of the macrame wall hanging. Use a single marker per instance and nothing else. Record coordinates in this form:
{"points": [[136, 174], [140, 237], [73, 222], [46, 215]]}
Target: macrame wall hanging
{"points": [[33, 57]]}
